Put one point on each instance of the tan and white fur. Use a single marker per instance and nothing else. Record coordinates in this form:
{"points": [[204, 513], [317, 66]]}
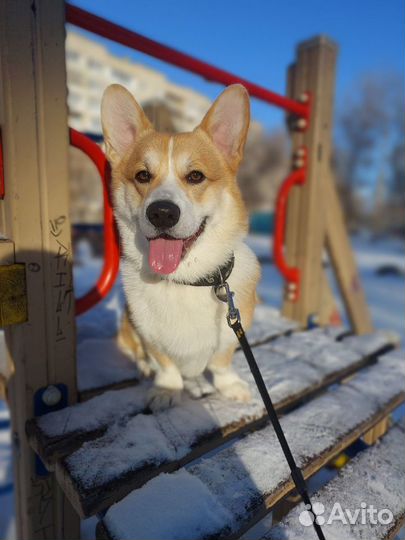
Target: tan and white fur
{"points": [[178, 331]]}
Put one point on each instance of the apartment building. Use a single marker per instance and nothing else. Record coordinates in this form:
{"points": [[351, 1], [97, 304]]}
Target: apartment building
{"points": [[91, 67]]}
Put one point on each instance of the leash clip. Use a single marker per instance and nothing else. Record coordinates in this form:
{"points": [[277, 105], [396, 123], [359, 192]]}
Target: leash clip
{"points": [[224, 294]]}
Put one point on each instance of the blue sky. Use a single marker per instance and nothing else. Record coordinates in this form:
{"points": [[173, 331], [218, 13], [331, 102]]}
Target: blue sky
{"points": [[256, 38]]}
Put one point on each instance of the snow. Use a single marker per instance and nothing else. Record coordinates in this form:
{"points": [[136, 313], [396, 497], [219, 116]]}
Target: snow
{"points": [[189, 494], [384, 294], [374, 477], [7, 525], [241, 474], [95, 413]]}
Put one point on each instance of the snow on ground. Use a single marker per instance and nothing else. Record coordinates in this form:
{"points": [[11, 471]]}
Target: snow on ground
{"points": [[385, 295]]}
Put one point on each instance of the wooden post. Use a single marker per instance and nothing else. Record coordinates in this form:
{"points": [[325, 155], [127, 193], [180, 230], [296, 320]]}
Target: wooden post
{"points": [[328, 311], [314, 72], [34, 215], [314, 216]]}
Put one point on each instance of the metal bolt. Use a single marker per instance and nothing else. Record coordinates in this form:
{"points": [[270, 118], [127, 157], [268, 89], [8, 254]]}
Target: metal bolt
{"points": [[300, 152], [298, 163], [291, 296], [292, 286], [301, 123], [51, 396], [304, 97]]}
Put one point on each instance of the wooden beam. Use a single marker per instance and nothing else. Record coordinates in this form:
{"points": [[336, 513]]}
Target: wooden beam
{"points": [[35, 217], [328, 310], [343, 260], [314, 72]]}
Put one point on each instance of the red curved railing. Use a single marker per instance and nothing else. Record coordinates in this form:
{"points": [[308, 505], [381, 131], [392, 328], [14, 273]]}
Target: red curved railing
{"points": [[290, 273], [111, 244]]}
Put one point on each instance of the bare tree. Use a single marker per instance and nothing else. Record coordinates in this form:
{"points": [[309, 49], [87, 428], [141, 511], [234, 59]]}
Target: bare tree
{"points": [[370, 142]]}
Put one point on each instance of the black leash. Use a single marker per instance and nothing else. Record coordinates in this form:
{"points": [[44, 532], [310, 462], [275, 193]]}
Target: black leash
{"points": [[224, 294]]}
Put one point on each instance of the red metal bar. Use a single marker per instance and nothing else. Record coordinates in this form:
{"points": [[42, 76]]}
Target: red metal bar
{"points": [[291, 274], [111, 244], [114, 32]]}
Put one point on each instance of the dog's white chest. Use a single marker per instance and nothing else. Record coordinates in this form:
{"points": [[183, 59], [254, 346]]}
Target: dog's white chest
{"points": [[186, 323]]}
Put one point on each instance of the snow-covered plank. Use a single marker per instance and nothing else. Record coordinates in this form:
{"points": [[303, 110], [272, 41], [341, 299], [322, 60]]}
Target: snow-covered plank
{"points": [[268, 324], [293, 367], [375, 478], [367, 343], [102, 366], [288, 377], [223, 494]]}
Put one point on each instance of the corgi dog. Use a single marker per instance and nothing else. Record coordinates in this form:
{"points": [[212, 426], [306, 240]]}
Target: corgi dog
{"points": [[181, 220]]}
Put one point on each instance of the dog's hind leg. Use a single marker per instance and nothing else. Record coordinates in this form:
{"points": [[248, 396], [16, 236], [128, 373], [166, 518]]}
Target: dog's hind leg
{"points": [[131, 345]]}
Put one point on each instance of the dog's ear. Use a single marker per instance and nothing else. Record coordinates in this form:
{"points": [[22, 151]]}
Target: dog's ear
{"points": [[227, 123], [122, 120]]}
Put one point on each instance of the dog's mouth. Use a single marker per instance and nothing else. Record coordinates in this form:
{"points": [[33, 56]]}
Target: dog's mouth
{"points": [[166, 252]]}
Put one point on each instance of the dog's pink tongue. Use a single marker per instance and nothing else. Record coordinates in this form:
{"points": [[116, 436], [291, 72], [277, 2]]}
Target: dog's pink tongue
{"points": [[165, 255]]}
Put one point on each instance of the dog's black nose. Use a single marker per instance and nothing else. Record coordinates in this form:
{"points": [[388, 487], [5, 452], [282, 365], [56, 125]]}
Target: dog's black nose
{"points": [[163, 214]]}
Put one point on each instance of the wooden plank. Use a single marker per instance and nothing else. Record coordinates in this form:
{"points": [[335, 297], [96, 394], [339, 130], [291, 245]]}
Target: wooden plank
{"points": [[318, 361], [372, 436], [352, 488], [226, 493], [35, 216], [315, 73], [192, 429], [343, 261]]}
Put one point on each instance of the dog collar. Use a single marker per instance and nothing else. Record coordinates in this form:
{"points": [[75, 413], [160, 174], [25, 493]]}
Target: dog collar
{"points": [[216, 278]]}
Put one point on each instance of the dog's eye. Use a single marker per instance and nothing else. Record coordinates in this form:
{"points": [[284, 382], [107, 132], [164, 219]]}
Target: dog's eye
{"points": [[195, 177], [143, 177]]}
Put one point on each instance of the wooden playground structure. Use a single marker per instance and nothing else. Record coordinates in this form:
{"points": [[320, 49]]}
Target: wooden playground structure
{"points": [[37, 305]]}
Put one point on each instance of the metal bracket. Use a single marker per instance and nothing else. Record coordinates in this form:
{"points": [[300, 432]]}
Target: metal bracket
{"points": [[48, 399], [13, 295]]}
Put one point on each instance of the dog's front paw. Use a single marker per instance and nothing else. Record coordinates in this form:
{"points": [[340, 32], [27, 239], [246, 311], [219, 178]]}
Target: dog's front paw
{"points": [[237, 391], [162, 398]]}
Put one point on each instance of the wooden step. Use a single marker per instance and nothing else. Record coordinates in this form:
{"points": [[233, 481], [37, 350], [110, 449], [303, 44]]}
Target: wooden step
{"points": [[185, 432], [58, 434], [224, 494], [308, 361], [375, 477]]}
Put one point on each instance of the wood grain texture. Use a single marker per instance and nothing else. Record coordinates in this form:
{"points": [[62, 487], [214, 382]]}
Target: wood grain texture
{"points": [[35, 216]]}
